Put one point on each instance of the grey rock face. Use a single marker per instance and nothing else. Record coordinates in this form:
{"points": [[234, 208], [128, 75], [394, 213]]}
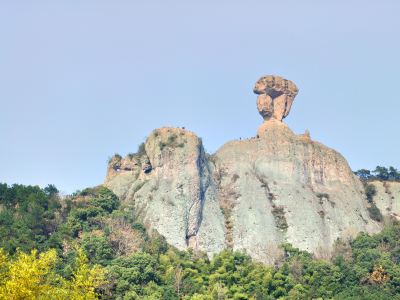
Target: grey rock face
{"points": [[176, 196], [252, 194], [387, 198], [288, 188]]}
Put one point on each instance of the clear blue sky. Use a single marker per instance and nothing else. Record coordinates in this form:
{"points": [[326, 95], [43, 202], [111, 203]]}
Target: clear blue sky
{"points": [[81, 80]]}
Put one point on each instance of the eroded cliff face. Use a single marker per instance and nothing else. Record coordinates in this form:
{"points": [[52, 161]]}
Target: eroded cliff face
{"points": [[251, 194], [170, 188], [288, 188]]}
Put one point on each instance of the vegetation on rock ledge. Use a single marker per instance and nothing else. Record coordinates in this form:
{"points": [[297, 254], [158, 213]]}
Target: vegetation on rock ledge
{"points": [[380, 173]]}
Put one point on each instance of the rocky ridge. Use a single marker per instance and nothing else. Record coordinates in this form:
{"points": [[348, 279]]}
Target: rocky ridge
{"points": [[250, 195]]}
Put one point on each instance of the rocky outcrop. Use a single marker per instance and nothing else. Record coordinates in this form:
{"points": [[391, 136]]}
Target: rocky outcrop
{"points": [[289, 188], [276, 96], [252, 194], [176, 194]]}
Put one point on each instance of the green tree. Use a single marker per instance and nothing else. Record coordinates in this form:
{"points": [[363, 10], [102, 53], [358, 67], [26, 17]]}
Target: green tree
{"points": [[32, 276], [132, 274], [381, 173], [393, 173], [364, 174]]}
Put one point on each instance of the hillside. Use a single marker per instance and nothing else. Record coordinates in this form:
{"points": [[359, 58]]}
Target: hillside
{"points": [[123, 261]]}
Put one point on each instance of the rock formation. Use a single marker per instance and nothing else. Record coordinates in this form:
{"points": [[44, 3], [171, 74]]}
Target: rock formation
{"points": [[178, 196], [252, 194], [276, 96]]}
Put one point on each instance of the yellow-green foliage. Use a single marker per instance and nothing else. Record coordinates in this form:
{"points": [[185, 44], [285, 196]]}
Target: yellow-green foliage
{"points": [[32, 276], [82, 232], [85, 279]]}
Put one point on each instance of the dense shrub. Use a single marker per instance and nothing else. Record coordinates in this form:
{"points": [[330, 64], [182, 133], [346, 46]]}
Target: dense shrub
{"points": [[33, 276], [375, 213], [28, 216], [366, 268], [370, 192]]}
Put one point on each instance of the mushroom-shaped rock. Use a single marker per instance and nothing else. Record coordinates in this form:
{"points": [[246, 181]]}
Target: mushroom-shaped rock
{"points": [[276, 96]]}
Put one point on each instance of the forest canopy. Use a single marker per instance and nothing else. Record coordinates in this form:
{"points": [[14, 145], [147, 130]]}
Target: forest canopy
{"points": [[89, 246], [380, 173]]}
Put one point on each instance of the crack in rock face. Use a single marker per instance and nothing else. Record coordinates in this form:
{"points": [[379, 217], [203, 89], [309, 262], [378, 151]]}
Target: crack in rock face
{"points": [[276, 96]]}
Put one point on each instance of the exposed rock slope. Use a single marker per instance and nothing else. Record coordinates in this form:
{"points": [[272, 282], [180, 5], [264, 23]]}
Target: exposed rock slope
{"points": [[290, 189], [176, 195], [387, 198], [252, 194]]}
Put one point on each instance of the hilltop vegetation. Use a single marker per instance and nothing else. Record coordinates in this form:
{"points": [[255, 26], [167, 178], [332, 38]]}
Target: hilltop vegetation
{"points": [[89, 245], [380, 173]]}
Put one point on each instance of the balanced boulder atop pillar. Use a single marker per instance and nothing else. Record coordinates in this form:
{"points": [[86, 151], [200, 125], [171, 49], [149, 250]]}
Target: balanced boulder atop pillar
{"points": [[276, 96]]}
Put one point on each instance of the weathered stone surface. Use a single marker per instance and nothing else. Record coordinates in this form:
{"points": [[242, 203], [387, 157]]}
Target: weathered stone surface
{"points": [[290, 189], [265, 106], [251, 194], [276, 96], [177, 195], [387, 198]]}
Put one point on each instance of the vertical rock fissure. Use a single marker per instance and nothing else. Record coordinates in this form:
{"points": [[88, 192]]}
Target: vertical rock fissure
{"points": [[195, 211], [227, 196], [278, 212]]}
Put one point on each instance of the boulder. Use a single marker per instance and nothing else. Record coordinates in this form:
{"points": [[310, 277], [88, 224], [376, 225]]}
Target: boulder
{"points": [[276, 96]]}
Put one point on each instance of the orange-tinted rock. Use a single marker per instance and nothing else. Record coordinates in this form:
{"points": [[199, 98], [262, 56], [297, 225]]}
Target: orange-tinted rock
{"points": [[276, 96]]}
